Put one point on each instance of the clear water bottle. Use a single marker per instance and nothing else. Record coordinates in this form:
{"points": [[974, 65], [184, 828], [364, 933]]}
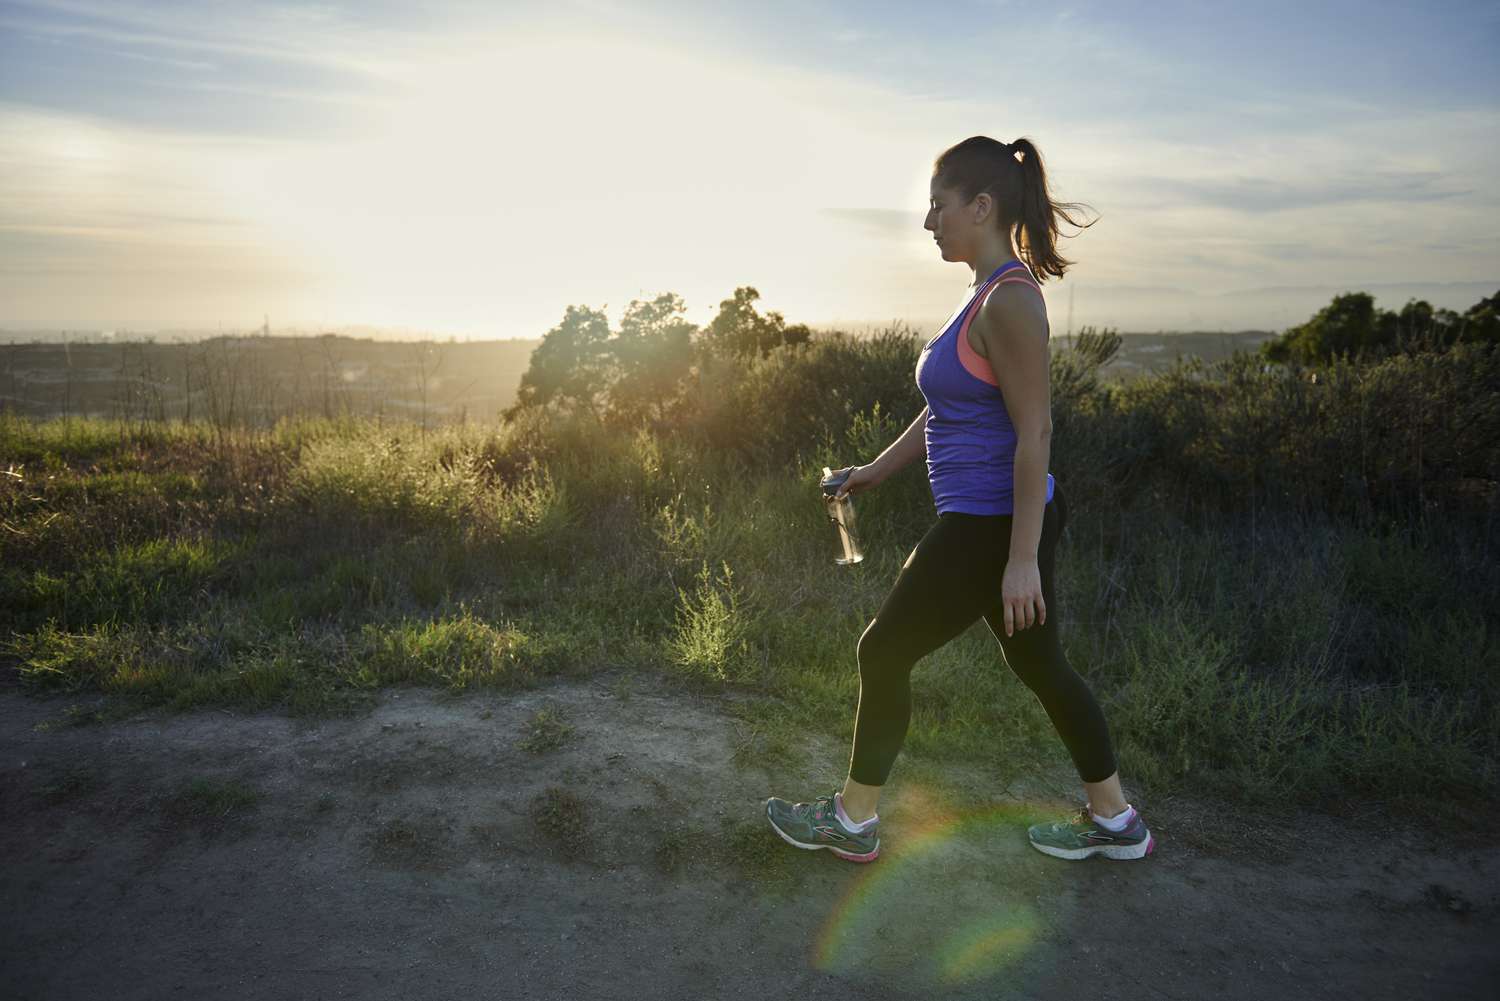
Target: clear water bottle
{"points": [[841, 513]]}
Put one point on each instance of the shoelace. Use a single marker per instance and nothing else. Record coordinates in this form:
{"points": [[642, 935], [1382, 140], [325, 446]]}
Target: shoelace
{"points": [[816, 808]]}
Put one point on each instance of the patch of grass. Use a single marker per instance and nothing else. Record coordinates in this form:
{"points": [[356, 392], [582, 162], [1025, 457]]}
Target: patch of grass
{"points": [[546, 730], [209, 804], [674, 847], [70, 784], [623, 687], [104, 711], [562, 820], [767, 737], [453, 652], [753, 849], [147, 581], [710, 641], [413, 842]]}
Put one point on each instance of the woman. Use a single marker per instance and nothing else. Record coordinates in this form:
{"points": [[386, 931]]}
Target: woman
{"points": [[986, 434]]}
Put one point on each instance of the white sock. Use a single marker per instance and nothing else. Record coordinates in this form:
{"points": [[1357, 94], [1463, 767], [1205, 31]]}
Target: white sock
{"points": [[845, 822], [1115, 824]]}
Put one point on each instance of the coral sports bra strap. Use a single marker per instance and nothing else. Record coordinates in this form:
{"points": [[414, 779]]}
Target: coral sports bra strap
{"points": [[973, 363]]}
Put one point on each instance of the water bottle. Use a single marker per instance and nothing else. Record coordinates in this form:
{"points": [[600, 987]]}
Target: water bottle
{"points": [[841, 513]]}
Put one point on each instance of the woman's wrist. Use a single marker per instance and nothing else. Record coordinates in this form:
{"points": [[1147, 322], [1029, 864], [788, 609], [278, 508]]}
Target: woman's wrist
{"points": [[876, 469]]}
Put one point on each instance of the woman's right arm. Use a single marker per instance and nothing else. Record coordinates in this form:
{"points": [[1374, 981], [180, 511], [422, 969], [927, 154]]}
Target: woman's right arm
{"points": [[911, 446]]}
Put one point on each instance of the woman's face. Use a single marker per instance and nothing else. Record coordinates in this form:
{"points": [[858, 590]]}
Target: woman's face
{"points": [[951, 221]]}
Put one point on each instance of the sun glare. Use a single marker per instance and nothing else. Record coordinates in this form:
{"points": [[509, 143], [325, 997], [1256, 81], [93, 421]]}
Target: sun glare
{"points": [[522, 166]]}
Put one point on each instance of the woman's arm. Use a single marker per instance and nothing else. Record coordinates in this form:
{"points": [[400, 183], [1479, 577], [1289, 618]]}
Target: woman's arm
{"points": [[1012, 326], [1013, 331]]}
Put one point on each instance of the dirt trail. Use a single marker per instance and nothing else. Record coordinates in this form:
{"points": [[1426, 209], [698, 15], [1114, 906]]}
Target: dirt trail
{"points": [[401, 855]]}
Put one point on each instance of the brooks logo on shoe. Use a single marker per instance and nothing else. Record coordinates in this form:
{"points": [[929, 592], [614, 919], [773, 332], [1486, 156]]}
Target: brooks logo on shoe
{"points": [[829, 832]]}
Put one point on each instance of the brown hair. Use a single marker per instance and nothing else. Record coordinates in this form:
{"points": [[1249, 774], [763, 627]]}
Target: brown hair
{"points": [[1019, 188]]}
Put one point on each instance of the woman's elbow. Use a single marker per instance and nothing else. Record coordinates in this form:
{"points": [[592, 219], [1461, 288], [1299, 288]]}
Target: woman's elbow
{"points": [[1039, 436]]}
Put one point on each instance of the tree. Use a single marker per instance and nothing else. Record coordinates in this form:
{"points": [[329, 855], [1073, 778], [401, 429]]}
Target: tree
{"points": [[1351, 326], [738, 330], [1481, 321], [571, 365], [652, 353]]}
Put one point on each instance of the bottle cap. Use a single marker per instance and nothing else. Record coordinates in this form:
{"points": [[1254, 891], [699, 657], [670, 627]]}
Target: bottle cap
{"points": [[832, 483]]}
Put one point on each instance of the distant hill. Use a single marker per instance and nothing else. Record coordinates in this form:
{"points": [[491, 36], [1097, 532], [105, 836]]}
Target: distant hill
{"points": [[1142, 353], [1174, 310], [264, 377], [1269, 307]]}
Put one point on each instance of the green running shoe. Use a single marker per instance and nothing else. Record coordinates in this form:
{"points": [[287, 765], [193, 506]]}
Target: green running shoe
{"points": [[817, 825], [1078, 837]]}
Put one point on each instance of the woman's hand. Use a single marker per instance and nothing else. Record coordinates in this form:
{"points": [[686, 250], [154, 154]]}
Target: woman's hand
{"points": [[1021, 591], [860, 478]]}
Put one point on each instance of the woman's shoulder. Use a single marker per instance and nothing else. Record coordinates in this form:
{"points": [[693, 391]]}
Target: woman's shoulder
{"points": [[1010, 305], [1020, 275]]}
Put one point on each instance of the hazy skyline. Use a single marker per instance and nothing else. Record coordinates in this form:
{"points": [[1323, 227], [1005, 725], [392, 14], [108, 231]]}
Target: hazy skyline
{"points": [[469, 170]]}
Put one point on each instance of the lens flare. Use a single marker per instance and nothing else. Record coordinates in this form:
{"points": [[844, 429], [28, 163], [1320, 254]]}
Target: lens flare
{"points": [[947, 906]]}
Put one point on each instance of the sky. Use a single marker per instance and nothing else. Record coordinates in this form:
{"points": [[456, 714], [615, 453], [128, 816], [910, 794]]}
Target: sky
{"points": [[472, 169]]}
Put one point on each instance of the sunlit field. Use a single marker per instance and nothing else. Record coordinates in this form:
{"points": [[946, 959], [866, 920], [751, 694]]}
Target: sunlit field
{"points": [[1280, 581]]}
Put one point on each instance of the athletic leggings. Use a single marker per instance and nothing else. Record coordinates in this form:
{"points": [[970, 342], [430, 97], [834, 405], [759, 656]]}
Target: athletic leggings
{"points": [[950, 579]]}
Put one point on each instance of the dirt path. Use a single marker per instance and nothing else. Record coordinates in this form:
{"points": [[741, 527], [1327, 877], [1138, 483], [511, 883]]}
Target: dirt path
{"points": [[401, 855]]}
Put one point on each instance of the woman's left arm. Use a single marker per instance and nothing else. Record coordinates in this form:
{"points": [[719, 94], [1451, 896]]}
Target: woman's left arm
{"points": [[1012, 326]]}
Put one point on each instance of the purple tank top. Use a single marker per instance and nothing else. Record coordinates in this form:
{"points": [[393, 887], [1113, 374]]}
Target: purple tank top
{"points": [[971, 442]]}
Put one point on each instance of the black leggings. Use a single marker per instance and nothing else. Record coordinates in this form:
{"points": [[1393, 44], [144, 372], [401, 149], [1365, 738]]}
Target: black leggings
{"points": [[952, 578]]}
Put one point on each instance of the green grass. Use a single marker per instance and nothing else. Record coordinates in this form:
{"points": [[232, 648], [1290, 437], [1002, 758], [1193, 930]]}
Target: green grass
{"points": [[72, 783], [209, 805], [546, 730], [561, 821], [1298, 658]]}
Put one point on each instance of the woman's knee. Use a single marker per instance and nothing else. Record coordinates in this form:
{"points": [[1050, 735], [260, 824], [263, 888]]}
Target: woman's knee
{"points": [[876, 653]]}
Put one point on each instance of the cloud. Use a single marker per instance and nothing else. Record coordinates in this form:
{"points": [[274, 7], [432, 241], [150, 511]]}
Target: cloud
{"points": [[1258, 194], [283, 34]]}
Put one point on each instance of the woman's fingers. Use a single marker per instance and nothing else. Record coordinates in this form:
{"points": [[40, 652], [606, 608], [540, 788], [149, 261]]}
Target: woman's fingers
{"points": [[1023, 613]]}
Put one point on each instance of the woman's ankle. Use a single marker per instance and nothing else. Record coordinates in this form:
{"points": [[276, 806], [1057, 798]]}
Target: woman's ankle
{"points": [[859, 800], [854, 810], [849, 814]]}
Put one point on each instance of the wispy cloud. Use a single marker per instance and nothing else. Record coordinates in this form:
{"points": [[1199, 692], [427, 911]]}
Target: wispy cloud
{"points": [[286, 34], [1253, 194]]}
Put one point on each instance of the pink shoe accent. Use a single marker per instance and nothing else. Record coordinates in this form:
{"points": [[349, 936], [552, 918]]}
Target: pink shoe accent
{"points": [[867, 857], [1150, 843]]}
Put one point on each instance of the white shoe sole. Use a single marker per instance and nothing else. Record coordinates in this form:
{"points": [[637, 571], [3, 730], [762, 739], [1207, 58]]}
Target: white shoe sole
{"points": [[1108, 851], [869, 856]]}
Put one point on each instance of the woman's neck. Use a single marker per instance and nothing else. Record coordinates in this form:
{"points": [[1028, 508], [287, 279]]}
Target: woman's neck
{"points": [[989, 264], [981, 273]]}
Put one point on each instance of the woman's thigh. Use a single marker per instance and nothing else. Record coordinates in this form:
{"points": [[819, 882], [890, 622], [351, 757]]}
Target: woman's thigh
{"points": [[951, 577]]}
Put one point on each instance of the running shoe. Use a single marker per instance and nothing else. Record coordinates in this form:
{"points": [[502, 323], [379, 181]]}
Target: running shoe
{"points": [[816, 825], [1079, 836]]}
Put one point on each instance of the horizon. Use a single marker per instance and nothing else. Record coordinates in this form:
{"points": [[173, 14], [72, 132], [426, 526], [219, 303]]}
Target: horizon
{"points": [[1457, 296], [173, 166]]}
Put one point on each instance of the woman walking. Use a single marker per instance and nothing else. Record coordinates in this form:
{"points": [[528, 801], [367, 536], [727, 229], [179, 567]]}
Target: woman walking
{"points": [[986, 435]]}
